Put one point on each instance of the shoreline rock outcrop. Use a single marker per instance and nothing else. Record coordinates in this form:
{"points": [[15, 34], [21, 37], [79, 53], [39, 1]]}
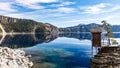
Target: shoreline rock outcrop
{"points": [[107, 57], [13, 58]]}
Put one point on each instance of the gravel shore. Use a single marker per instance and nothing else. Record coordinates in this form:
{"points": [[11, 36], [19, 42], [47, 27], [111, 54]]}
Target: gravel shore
{"points": [[14, 58]]}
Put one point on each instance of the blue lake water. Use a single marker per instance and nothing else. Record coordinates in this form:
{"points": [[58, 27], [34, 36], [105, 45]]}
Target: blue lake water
{"points": [[71, 50], [61, 53]]}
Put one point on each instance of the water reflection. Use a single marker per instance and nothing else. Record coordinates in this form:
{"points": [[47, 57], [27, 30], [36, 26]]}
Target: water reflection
{"points": [[28, 40], [69, 50], [80, 36], [58, 54], [25, 40]]}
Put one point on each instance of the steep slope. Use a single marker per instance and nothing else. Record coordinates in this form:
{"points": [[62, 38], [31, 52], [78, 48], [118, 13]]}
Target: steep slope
{"points": [[16, 25]]}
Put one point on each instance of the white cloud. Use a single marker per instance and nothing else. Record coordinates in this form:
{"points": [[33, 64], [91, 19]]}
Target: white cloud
{"points": [[6, 0], [35, 1], [75, 21], [7, 7], [25, 15], [56, 11], [15, 15], [3, 12], [65, 10], [34, 4], [43, 13], [95, 9], [92, 19], [62, 4], [116, 7], [99, 8]]}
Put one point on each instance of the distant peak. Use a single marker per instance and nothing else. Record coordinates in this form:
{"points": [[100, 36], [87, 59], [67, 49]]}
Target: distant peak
{"points": [[93, 24]]}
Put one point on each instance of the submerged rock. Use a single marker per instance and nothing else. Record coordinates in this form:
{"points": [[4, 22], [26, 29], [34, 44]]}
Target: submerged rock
{"points": [[13, 58]]}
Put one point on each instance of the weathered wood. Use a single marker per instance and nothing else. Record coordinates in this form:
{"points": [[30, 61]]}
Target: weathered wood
{"points": [[96, 39], [96, 36]]}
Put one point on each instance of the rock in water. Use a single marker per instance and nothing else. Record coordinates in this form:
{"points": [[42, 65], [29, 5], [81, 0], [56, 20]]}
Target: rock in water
{"points": [[13, 58]]}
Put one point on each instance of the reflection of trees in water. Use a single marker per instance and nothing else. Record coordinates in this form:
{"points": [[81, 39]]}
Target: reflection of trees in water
{"points": [[107, 57], [45, 37], [82, 36], [79, 36], [25, 40], [39, 30]]}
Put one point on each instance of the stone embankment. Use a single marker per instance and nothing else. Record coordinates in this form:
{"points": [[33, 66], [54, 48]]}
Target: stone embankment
{"points": [[14, 58], [107, 57]]}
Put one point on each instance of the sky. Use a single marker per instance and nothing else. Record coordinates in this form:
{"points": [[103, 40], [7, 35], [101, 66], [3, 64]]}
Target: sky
{"points": [[63, 13]]}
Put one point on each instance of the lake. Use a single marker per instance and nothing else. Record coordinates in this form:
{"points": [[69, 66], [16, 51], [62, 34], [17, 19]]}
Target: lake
{"points": [[70, 50]]}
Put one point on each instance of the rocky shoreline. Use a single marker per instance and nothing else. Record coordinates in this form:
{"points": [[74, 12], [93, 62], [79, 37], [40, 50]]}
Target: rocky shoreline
{"points": [[14, 58], [107, 57]]}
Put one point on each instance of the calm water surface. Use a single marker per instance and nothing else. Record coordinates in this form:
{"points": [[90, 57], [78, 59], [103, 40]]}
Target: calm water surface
{"points": [[70, 50], [61, 53]]}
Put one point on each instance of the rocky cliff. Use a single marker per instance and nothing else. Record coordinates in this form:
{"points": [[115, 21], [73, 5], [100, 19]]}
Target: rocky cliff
{"points": [[16, 25], [5, 19]]}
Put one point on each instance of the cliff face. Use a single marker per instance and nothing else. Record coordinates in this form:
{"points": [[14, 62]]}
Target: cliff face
{"points": [[51, 28], [5, 19], [15, 25], [51, 31]]}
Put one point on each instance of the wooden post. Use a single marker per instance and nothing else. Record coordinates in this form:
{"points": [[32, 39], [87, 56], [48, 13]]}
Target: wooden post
{"points": [[96, 36]]}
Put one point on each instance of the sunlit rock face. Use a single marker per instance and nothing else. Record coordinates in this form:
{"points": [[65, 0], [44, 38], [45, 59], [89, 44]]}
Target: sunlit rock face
{"points": [[13, 58], [7, 19], [17, 25], [107, 57]]}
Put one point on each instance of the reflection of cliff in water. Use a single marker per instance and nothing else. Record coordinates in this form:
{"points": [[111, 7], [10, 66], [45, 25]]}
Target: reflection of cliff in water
{"points": [[80, 36], [107, 57], [26, 40]]}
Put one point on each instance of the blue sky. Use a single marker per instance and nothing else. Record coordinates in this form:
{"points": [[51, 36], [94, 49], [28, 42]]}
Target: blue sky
{"points": [[63, 13]]}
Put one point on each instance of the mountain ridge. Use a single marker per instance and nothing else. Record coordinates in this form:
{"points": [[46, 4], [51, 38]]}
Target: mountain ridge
{"points": [[17, 25], [86, 28]]}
